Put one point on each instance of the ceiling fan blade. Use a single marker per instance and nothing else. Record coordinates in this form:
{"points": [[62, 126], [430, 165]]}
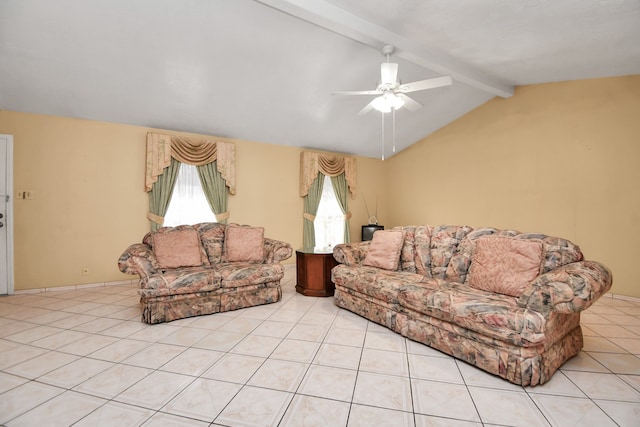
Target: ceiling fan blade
{"points": [[366, 109], [425, 84], [388, 73], [358, 92], [409, 103]]}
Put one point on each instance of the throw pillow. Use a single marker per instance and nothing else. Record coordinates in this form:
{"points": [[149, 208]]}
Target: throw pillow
{"points": [[179, 248], [384, 249], [505, 265], [243, 243]]}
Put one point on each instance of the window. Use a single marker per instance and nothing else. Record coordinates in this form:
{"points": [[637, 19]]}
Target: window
{"points": [[188, 204], [329, 222]]}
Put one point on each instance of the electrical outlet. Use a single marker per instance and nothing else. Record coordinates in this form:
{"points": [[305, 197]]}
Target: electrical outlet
{"points": [[85, 271]]}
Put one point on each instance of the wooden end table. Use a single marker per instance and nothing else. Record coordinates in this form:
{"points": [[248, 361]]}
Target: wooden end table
{"points": [[313, 270]]}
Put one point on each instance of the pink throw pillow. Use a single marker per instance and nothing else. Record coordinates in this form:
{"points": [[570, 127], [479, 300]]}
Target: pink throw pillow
{"points": [[243, 244], [179, 248], [384, 249], [505, 265]]}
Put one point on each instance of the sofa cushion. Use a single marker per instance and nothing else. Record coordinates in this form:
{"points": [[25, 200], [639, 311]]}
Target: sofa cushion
{"points": [[380, 284], [557, 251], [243, 244], [505, 265], [177, 248], [187, 280], [443, 246], [212, 237], [407, 253], [384, 251], [241, 274], [458, 268], [490, 314], [422, 250]]}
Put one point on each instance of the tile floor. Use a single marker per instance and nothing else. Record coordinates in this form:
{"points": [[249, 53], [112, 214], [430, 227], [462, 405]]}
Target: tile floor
{"points": [[82, 357]]}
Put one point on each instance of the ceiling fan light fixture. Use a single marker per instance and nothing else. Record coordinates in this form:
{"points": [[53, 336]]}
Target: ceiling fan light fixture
{"points": [[385, 103], [391, 95]]}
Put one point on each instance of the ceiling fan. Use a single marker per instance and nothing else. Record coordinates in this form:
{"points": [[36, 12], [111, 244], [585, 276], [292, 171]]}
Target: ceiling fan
{"points": [[391, 93]]}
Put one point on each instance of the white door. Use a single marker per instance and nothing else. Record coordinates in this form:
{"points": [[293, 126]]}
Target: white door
{"points": [[6, 214]]}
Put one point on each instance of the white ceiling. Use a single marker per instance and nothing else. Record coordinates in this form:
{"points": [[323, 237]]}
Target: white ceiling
{"points": [[265, 70]]}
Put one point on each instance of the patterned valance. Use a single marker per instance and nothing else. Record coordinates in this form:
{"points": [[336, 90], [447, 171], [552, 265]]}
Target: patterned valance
{"points": [[329, 165], [161, 148]]}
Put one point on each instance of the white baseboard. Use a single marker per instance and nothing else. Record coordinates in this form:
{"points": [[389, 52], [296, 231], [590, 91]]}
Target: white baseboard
{"points": [[621, 297], [75, 287]]}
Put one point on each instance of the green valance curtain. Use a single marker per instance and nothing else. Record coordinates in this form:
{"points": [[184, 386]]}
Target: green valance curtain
{"points": [[328, 164], [215, 161]]}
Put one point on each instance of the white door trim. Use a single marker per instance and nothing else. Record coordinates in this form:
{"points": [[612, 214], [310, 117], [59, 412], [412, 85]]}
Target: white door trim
{"points": [[8, 220]]}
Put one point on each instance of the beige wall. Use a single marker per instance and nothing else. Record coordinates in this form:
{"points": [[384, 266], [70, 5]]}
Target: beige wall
{"points": [[88, 202], [560, 158]]}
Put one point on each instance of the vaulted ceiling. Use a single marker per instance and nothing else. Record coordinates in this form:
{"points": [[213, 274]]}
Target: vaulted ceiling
{"points": [[265, 70]]}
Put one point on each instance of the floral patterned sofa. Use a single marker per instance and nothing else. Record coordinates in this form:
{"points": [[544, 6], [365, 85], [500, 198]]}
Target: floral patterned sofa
{"points": [[506, 302], [206, 268]]}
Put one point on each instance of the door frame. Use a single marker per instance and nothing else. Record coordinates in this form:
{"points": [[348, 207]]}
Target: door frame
{"points": [[9, 216]]}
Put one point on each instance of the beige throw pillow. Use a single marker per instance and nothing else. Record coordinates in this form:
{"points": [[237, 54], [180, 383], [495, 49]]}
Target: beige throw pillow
{"points": [[384, 249], [242, 243], [505, 265], [180, 248]]}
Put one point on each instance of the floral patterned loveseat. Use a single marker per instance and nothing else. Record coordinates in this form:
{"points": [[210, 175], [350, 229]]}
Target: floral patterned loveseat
{"points": [[206, 268], [506, 302]]}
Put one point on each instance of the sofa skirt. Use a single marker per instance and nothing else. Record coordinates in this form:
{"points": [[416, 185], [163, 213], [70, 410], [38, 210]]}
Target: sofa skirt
{"points": [[368, 307], [172, 307], [522, 365], [526, 366]]}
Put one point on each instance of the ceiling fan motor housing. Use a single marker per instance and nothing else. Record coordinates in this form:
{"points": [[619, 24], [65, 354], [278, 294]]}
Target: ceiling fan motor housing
{"points": [[387, 49]]}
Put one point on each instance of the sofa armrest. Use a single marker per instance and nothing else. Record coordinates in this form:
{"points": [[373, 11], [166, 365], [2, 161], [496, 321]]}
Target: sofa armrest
{"points": [[568, 289], [138, 259], [351, 253], [276, 251]]}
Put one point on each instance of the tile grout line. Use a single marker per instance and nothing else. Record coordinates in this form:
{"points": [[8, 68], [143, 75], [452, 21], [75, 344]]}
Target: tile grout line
{"points": [[194, 377]]}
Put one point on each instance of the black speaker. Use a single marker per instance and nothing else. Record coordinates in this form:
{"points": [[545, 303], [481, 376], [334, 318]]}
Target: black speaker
{"points": [[368, 230]]}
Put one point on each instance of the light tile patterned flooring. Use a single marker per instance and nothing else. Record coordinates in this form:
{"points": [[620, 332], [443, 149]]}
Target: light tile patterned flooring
{"points": [[82, 357]]}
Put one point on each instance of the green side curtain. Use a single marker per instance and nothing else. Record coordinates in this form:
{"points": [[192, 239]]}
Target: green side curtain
{"points": [[214, 189], [311, 203], [161, 191], [339, 184]]}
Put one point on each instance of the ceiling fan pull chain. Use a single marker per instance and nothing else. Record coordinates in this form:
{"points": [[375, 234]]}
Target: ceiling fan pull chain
{"points": [[382, 115], [394, 130]]}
